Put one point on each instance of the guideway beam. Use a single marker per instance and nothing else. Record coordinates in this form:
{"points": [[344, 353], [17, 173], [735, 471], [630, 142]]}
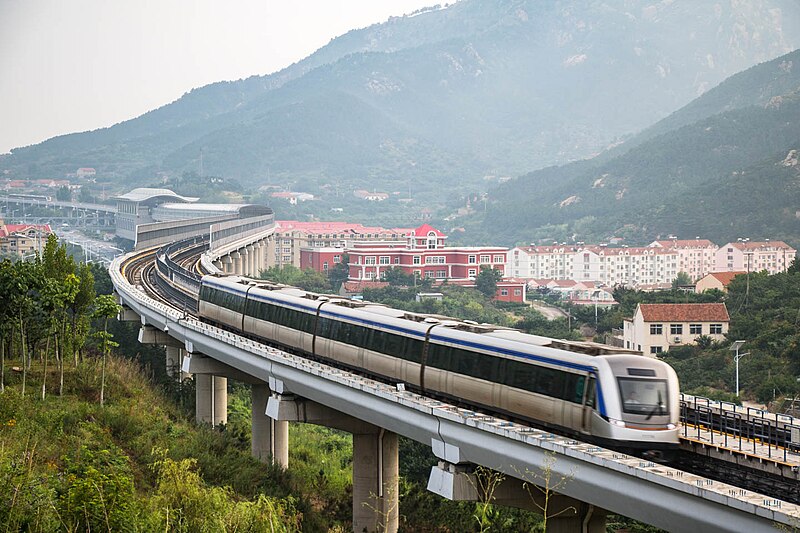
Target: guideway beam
{"points": [[375, 459]]}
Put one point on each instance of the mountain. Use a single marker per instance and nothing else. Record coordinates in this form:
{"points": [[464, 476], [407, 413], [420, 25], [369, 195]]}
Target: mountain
{"points": [[444, 96], [730, 173]]}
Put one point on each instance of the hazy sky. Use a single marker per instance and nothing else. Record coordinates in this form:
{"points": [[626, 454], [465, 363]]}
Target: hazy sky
{"points": [[75, 65]]}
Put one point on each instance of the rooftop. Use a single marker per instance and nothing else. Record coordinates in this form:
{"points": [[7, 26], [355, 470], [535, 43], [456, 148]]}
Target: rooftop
{"points": [[144, 193], [684, 312]]}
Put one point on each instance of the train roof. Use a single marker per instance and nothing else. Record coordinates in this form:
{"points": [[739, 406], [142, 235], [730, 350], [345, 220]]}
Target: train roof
{"points": [[501, 333]]}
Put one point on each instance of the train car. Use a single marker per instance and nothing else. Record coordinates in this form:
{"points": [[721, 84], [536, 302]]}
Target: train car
{"points": [[621, 401]]}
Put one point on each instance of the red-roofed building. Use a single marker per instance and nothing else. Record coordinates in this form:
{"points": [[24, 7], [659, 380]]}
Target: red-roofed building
{"points": [[716, 280], [752, 256], [292, 236], [22, 239], [655, 328]]}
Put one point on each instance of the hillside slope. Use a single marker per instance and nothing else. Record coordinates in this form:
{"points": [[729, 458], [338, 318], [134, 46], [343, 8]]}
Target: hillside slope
{"points": [[475, 88], [728, 175]]}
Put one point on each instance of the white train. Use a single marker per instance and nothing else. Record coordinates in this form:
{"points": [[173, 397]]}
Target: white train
{"points": [[621, 401]]}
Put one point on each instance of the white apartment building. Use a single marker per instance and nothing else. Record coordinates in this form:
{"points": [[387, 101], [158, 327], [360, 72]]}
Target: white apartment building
{"points": [[747, 256], [609, 266], [696, 257]]}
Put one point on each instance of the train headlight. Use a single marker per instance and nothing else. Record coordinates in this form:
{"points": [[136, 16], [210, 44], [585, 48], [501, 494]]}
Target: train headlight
{"points": [[671, 426], [618, 423]]}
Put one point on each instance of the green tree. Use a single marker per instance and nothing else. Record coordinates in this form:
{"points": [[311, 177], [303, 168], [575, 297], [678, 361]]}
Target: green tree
{"points": [[681, 280], [339, 273], [396, 276], [105, 307], [63, 194], [486, 281]]}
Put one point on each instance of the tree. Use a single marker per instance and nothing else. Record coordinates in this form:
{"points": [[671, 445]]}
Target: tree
{"points": [[105, 307], [486, 281], [63, 194], [339, 273], [85, 195], [396, 276], [682, 280]]}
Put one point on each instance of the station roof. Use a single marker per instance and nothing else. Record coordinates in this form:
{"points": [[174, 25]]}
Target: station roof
{"points": [[142, 194]]}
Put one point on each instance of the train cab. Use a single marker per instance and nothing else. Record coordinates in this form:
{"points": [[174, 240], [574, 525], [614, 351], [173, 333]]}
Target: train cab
{"points": [[641, 403]]}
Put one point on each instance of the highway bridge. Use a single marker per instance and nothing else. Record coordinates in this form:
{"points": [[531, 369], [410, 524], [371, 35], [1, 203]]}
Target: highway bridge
{"points": [[738, 470]]}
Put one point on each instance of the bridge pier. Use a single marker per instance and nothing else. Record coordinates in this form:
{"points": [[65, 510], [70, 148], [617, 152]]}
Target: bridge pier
{"points": [[211, 399], [174, 359], [237, 263], [269, 439], [375, 460]]}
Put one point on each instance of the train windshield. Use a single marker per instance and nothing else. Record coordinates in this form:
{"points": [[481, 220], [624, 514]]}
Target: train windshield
{"points": [[644, 396]]}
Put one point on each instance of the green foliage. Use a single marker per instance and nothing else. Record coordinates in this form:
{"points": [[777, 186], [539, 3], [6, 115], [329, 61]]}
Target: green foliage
{"points": [[63, 194], [681, 280], [486, 281], [184, 503], [308, 279]]}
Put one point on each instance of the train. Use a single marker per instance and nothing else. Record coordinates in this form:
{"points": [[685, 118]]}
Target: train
{"points": [[623, 401]]}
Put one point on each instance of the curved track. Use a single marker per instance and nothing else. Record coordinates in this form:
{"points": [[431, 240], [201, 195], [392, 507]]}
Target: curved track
{"points": [[183, 259]]}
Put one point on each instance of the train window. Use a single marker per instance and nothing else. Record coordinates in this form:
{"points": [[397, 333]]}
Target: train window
{"points": [[591, 393], [574, 389], [488, 367], [464, 362], [644, 396], [439, 356]]}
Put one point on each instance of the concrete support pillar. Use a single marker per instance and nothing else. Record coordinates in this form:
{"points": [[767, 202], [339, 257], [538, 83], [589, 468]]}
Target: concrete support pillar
{"points": [[270, 438], [174, 362], [375, 474], [251, 261], [259, 250], [375, 461], [211, 399], [227, 264], [237, 263]]}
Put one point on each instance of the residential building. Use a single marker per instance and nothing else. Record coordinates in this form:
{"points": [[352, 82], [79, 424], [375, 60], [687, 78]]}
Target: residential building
{"points": [[292, 197], [623, 266], [576, 292], [716, 280], [23, 239], [752, 256], [696, 257], [371, 196], [86, 172], [291, 237], [655, 328]]}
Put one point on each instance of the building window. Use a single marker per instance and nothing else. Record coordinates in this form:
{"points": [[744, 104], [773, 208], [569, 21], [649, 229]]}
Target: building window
{"points": [[498, 259], [656, 349], [486, 258], [503, 292], [441, 274], [417, 260], [472, 272], [656, 329], [325, 266], [471, 259], [396, 260], [369, 260], [337, 258], [696, 329], [429, 274], [384, 260], [715, 329], [517, 292], [676, 329], [435, 260]]}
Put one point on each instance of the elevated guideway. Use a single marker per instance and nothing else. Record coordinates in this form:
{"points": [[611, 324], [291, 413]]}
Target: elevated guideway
{"points": [[656, 494]]}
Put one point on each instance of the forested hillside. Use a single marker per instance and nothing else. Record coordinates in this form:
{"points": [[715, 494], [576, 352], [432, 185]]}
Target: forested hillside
{"points": [[731, 174], [442, 97]]}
